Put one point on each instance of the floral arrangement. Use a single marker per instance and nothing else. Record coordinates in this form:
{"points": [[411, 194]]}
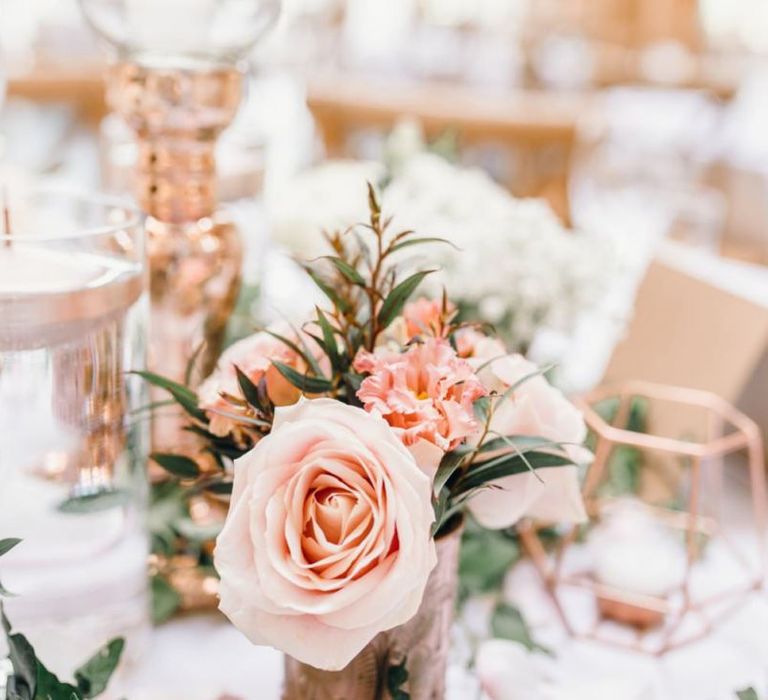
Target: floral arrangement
{"points": [[352, 444], [544, 276]]}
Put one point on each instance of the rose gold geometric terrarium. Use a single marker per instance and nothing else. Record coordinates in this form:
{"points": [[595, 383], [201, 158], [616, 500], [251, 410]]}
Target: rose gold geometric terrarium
{"points": [[691, 445]]}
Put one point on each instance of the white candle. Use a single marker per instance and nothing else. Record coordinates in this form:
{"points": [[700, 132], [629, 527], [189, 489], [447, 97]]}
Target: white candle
{"points": [[48, 295], [634, 553], [70, 328]]}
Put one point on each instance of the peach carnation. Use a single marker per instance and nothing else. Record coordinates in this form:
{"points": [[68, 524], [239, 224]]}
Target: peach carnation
{"points": [[425, 393]]}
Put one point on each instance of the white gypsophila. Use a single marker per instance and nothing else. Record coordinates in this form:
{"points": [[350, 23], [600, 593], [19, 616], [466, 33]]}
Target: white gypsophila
{"points": [[328, 197], [518, 267]]}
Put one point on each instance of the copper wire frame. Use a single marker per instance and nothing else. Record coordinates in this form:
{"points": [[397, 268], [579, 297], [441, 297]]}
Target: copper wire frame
{"points": [[711, 610]]}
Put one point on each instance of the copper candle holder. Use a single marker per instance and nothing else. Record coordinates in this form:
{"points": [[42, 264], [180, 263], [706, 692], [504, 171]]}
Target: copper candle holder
{"points": [[194, 250], [177, 84], [688, 611]]}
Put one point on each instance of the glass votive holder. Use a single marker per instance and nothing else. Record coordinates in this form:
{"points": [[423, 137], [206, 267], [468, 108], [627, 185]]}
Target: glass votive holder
{"points": [[73, 436]]}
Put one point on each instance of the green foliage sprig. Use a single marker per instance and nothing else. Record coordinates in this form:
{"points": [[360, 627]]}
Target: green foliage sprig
{"points": [[31, 680]]}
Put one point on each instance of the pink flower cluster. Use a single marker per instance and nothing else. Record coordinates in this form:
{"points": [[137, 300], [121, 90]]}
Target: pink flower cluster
{"points": [[425, 393]]}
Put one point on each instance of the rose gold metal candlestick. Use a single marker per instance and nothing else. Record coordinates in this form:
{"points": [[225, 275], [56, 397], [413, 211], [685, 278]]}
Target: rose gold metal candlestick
{"points": [[177, 84], [194, 250], [690, 610]]}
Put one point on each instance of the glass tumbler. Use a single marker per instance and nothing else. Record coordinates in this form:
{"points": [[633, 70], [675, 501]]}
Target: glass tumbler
{"points": [[73, 435]]}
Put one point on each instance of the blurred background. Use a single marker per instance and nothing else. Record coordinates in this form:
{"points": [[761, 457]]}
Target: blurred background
{"points": [[602, 164], [639, 122]]}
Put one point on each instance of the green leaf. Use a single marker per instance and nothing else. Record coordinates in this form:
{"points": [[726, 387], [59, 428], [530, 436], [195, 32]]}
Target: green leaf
{"points": [[393, 304], [49, 687], [4, 592], [94, 502], [419, 241], [747, 694], [249, 389], [329, 341], [519, 444], [178, 465], [508, 623], [93, 676], [304, 353], [220, 488], [196, 532], [166, 600], [192, 361], [329, 291], [440, 506], [7, 544], [307, 384], [446, 469], [481, 407], [484, 559], [397, 676], [184, 396], [508, 465], [23, 660], [349, 272]]}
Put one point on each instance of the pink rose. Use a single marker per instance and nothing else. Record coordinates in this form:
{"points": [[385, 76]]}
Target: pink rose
{"points": [[425, 393], [327, 541], [254, 356], [535, 408]]}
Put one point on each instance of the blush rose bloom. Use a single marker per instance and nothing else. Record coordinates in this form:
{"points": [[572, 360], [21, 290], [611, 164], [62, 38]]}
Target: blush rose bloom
{"points": [[425, 393], [327, 541], [537, 409], [254, 356]]}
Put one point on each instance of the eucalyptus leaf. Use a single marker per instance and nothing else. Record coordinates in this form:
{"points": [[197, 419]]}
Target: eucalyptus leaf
{"points": [[93, 676]]}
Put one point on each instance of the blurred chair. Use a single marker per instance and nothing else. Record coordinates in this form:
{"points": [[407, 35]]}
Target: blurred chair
{"points": [[81, 87], [537, 129]]}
